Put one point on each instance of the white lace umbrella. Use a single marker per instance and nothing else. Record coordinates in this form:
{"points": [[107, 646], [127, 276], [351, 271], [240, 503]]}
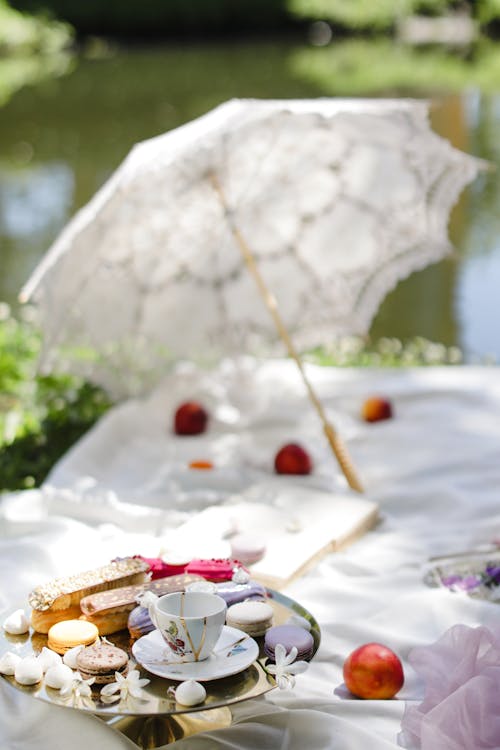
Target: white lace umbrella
{"points": [[336, 200]]}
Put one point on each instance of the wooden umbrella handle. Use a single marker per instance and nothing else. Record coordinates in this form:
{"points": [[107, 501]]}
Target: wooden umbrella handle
{"points": [[336, 444]]}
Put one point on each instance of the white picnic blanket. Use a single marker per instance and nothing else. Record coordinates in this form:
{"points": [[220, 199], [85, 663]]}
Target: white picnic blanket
{"points": [[434, 469]]}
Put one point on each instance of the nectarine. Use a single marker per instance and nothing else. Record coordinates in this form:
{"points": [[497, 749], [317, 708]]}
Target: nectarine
{"points": [[376, 408], [293, 459], [190, 419], [373, 671]]}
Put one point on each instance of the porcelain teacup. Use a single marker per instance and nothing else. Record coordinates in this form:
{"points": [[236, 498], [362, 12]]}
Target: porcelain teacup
{"points": [[190, 623]]}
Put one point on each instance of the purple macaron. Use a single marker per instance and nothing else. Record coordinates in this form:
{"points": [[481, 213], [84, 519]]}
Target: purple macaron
{"points": [[289, 636]]}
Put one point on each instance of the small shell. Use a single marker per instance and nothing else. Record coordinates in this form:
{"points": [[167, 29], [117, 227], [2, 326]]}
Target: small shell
{"points": [[190, 693], [8, 663], [28, 671], [17, 623], [48, 658], [69, 657], [58, 676]]}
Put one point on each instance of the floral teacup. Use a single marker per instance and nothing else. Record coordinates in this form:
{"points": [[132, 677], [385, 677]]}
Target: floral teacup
{"points": [[190, 622]]}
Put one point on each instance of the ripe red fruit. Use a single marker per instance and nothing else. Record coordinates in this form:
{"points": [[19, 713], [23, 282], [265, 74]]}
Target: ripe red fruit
{"points": [[373, 671], [190, 419], [293, 459], [376, 409]]}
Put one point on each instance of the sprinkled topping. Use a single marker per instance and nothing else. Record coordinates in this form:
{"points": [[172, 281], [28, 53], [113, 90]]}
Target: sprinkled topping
{"points": [[44, 596]]}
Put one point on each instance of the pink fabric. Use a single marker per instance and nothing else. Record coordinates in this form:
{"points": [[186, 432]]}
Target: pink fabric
{"points": [[461, 706]]}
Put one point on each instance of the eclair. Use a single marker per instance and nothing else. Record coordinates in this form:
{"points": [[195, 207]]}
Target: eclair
{"points": [[60, 598]]}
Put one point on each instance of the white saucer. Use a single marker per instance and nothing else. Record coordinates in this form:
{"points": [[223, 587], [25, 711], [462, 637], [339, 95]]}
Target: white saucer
{"points": [[234, 652]]}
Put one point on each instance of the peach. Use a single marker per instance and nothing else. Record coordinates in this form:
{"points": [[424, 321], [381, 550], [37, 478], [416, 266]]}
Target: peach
{"points": [[373, 671], [190, 419], [293, 459], [376, 408]]}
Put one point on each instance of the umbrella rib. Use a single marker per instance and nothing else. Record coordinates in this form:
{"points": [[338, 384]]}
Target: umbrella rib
{"points": [[336, 444]]}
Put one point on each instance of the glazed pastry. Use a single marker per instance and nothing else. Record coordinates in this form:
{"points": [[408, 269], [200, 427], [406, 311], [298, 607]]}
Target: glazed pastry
{"points": [[108, 623], [289, 636], [232, 593], [249, 549], [253, 618], [214, 569], [62, 593], [125, 598], [101, 661], [69, 633], [41, 622]]}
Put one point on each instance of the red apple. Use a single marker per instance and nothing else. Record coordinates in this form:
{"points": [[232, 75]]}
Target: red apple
{"points": [[376, 409], [293, 459], [190, 419], [373, 671]]}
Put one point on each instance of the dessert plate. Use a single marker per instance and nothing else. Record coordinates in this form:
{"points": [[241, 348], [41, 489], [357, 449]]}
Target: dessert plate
{"points": [[233, 652]]}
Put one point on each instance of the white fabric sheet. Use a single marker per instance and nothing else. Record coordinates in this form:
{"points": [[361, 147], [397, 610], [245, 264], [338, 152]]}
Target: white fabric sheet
{"points": [[434, 469]]}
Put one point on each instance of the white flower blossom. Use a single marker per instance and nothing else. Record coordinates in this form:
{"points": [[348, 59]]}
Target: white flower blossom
{"points": [[286, 667], [77, 690], [125, 687], [147, 599]]}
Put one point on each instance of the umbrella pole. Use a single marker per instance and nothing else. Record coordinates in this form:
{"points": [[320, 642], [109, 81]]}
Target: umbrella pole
{"points": [[337, 445]]}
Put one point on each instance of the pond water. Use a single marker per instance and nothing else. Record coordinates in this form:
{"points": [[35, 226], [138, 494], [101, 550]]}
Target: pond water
{"points": [[61, 138]]}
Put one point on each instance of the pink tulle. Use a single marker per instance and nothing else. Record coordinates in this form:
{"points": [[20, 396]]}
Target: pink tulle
{"points": [[461, 706]]}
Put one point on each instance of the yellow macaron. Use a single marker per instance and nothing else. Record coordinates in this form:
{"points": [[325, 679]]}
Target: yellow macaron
{"points": [[70, 633]]}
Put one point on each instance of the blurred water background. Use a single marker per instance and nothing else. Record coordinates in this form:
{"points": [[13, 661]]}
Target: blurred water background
{"points": [[67, 121]]}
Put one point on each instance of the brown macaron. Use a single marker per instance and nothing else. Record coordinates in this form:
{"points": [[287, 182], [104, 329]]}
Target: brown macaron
{"points": [[101, 661]]}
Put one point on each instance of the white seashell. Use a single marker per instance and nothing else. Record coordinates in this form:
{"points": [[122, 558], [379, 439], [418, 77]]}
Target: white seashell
{"points": [[69, 657], [205, 586], [58, 676], [301, 622], [48, 658], [17, 623], [28, 671], [8, 663], [190, 693]]}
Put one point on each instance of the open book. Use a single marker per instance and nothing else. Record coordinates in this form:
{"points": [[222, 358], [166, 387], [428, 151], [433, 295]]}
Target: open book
{"points": [[299, 525]]}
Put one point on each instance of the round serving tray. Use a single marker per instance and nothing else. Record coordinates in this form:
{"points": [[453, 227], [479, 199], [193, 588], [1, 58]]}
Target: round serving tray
{"points": [[221, 694]]}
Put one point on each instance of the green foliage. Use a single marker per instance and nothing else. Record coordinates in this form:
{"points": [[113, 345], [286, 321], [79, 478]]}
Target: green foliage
{"points": [[362, 15], [31, 49], [355, 351], [25, 35], [40, 416], [380, 66]]}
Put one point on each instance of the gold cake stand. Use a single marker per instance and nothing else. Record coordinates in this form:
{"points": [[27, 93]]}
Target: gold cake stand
{"points": [[159, 720]]}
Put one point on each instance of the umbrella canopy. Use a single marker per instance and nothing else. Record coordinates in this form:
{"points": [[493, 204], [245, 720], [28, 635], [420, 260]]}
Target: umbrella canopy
{"points": [[337, 200]]}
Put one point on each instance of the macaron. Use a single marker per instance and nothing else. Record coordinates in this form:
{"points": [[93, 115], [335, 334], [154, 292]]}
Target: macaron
{"points": [[247, 548], [289, 636], [254, 618], [70, 633], [101, 661]]}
